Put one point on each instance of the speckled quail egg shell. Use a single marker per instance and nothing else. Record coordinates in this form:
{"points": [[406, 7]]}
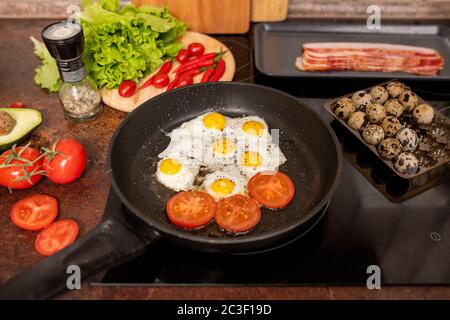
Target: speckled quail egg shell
{"points": [[406, 163], [357, 120], [361, 99], [344, 108], [389, 148], [379, 94], [408, 99], [408, 139], [395, 88], [394, 107], [390, 125], [423, 114], [375, 113], [373, 134]]}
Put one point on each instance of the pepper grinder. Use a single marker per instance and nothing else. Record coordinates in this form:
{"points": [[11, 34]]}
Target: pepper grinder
{"points": [[78, 93]]}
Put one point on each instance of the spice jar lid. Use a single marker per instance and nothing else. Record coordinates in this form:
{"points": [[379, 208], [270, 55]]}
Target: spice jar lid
{"points": [[64, 40]]}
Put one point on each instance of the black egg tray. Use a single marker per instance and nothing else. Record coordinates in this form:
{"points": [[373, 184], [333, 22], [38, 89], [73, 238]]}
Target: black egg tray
{"points": [[393, 187], [438, 117]]}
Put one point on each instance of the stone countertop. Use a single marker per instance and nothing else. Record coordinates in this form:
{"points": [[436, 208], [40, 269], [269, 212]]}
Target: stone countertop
{"points": [[84, 200]]}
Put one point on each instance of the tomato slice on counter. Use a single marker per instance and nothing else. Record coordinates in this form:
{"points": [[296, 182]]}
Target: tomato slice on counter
{"points": [[272, 190], [238, 213], [56, 237], [34, 212], [190, 209]]}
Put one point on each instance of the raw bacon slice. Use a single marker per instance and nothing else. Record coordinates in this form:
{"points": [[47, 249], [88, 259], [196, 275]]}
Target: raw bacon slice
{"points": [[359, 56]]}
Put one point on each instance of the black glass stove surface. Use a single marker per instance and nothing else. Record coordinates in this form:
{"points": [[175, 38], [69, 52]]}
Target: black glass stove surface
{"points": [[409, 241]]}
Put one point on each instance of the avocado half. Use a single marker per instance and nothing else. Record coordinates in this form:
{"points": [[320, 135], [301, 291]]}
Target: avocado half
{"points": [[26, 121]]}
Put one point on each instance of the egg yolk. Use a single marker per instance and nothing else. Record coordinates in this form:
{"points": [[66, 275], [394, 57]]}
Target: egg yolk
{"points": [[251, 159], [222, 186], [253, 128], [170, 166], [215, 121], [223, 147]]}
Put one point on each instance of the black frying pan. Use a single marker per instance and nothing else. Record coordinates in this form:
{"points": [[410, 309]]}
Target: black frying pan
{"points": [[314, 161]]}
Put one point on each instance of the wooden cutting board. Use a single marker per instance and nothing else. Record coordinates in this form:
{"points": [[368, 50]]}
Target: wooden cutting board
{"points": [[269, 10], [208, 16], [114, 100]]}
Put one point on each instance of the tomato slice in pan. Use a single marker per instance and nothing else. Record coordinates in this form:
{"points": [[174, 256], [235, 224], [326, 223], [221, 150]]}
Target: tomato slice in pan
{"points": [[238, 213], [272, 190], [56, 237], [34, 212], [190, 209]]}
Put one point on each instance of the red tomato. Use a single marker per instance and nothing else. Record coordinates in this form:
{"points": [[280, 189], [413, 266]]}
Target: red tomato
{"points": [[272, 190], [127, 88], [17, 105], [238, 213], [161, 80], [190, 209], [183, 56], [56, 237], [196, 49], [185, 80], [22, 170], [67, 164], [34, 212]]}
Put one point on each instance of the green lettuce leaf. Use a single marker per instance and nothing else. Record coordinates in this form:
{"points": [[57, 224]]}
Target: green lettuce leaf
{"points": [[47, 74]]}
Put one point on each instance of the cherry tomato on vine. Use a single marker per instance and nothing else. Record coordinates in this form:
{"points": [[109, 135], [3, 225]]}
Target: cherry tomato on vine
{"points": [[20, 168]]}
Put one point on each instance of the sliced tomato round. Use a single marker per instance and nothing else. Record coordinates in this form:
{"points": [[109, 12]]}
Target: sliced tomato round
{"points": [[238, 214], [191, 209], [272, 190], [56, 237], [34, 212]]}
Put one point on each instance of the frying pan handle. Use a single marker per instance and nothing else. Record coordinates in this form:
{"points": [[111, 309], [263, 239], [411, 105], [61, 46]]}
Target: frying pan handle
{"points": [[110, 243]]}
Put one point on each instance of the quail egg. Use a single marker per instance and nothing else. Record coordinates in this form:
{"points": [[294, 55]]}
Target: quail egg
{"points": [[357, 120], [375, 113], [423, 114], [373, 134], [406, 163], [394, 107], [389, 148], [361, 99], [408, 139], [344, 108], [395, 88], [379, 94], [390, 125], [408, 99]]}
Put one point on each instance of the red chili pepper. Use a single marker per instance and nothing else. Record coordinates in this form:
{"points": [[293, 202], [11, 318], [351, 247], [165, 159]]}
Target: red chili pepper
{"points": [[164, 69], [191, 73], [220, 70], [205, 56], [199, 64], [172, 85], [207, 75]]}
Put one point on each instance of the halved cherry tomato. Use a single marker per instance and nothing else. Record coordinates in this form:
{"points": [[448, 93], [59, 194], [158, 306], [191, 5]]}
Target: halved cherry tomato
{"points": [[161, 80], [22, 169], [272, 189], [66, 163], [196, 49], [238, 213], [17, 105], [127, 88], [34, 212], [183, 56], [56, 237], [191, 209]]}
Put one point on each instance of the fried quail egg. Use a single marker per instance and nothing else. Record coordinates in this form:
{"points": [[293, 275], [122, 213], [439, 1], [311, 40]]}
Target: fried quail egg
{"points": [[251, 162], [224, 183], [220, 152], [379, 94], [184, 144], [208, 125], [176, 172]]}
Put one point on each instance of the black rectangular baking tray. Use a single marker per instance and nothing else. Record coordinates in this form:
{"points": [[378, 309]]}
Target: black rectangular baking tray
{"points": [[277, 45]]}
